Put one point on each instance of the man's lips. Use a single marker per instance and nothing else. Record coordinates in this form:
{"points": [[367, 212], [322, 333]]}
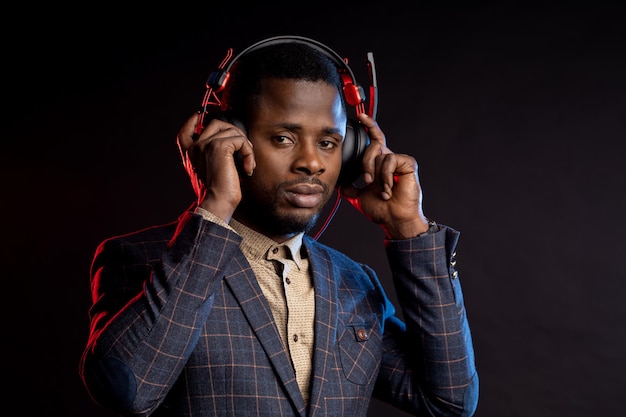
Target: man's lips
{"points": [[305, 195]]}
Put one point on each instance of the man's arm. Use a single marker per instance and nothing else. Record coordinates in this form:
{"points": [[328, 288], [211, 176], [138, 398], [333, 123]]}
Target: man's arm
{"points": [[139, 344], [437, 344]]}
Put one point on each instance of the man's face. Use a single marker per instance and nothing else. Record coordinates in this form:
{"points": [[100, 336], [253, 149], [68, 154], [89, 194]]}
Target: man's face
{"points": [[296, 130]]}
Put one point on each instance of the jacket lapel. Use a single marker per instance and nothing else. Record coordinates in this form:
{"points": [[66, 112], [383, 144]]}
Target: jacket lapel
{"points": [[325, 322], [255, 307]]}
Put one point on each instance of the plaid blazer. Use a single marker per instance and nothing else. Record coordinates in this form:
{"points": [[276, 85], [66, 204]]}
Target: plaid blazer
{"points": [[180, 327]]}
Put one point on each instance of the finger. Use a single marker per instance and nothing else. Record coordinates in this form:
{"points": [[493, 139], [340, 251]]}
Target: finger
{"points": [[217, 129], [231, 140], [243, 149], [248, 162], [386, 165], [376, 147], [185, 135], [374, 132]]}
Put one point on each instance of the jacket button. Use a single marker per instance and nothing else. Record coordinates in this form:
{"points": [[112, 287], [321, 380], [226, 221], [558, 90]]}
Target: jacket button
{"points": [[361, 334]]}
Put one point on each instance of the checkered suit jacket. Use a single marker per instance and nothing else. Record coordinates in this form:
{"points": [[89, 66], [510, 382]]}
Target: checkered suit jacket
{"points": [[180, 327]]}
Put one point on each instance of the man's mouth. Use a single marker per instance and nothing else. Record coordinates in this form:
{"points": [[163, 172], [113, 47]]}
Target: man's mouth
{"points": [[305, 195]]}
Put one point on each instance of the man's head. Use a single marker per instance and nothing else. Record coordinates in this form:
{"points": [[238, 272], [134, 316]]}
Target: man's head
{"points": [[289, 98], [288, 60]]}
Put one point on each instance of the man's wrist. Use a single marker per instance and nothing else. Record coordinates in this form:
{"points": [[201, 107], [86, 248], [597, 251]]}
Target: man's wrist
{"points": [[433, 227], [411, 229]]}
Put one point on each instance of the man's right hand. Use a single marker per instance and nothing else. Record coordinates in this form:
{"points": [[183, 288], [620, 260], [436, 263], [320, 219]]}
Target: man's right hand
{"points": [[209, 160]]}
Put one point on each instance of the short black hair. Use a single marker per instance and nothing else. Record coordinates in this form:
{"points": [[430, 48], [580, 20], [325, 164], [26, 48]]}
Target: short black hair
{"points": [[289, 60]]}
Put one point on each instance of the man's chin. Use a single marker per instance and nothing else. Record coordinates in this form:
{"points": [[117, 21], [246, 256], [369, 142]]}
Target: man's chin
{"points": [[296, 223]]}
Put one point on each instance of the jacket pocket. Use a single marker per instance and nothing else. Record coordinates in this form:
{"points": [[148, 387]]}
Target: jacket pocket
{"points": [[360, 348]]}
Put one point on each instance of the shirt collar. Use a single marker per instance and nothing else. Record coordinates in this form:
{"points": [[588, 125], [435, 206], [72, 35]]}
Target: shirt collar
{"points": [[261, 247]]}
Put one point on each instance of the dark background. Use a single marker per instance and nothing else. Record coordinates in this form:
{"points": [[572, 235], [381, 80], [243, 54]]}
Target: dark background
{"points": [[515, 114]]}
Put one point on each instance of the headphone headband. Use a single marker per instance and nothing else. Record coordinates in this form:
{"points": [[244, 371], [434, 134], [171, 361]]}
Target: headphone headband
{"points": [[336, 58], [352, 91]]}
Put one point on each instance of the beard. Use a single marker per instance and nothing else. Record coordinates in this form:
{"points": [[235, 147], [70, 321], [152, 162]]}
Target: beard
{"points": [[260, 209]]}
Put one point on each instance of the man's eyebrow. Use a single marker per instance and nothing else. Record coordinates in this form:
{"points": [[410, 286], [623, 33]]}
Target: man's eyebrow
{"points": [[296, 127], [332, 131], [290, 126]]}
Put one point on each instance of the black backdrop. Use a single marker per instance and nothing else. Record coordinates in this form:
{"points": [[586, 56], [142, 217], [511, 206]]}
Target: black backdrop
{"points": [[515, 114]]}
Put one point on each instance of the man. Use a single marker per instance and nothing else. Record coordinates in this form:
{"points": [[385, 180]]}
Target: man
{"points": [[234, 310]]}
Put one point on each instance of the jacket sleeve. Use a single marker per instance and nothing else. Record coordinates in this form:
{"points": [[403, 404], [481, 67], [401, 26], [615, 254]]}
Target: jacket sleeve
{"points": [[434, 342], [147, 316]]}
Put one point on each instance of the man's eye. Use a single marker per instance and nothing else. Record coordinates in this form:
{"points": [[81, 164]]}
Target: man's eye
{"points": [[283, 139], [327, 144]]}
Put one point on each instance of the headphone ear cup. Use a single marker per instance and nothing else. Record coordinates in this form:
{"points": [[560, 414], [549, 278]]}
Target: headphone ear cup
{"points": [[229, 118], [354, 145]]}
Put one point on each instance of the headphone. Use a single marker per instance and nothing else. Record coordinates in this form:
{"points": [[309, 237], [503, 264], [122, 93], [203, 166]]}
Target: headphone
{"points": [[356, 139]]}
